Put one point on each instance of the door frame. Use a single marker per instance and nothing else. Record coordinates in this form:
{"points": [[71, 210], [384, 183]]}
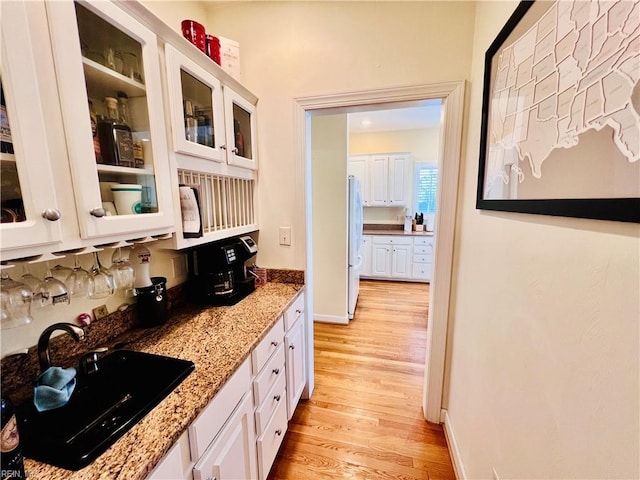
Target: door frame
{"points": [[452, 94]]}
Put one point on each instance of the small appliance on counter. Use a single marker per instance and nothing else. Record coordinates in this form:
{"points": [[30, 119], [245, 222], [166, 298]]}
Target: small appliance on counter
{"points": [[217, 272]]}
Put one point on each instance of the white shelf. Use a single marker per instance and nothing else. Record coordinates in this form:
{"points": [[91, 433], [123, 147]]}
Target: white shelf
{"points": [[124, 170], [106, 82]]}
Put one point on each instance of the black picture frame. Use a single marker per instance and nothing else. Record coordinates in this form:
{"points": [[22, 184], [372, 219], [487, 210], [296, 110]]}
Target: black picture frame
{"points": [[623, 209]]}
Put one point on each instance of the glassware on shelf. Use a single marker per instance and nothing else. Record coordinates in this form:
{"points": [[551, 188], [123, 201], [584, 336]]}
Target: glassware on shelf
{"points": [[94, 132], [113, 59], [15, 302], [54, 289], [60, 272], [239, 138], [132, 67], [190, 123]]}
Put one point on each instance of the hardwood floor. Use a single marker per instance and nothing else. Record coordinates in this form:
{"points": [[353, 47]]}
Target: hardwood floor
{"points": [[364, 419]]}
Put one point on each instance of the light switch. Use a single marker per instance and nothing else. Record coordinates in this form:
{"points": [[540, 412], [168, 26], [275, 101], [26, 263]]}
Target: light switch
{"points": [[285, 235]]}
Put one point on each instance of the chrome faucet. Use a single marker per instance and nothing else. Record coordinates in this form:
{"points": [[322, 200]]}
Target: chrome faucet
{"points": [[43, 342]]}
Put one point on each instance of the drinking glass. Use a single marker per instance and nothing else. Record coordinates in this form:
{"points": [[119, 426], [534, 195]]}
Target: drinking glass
{"points": [[36, 285], [54, 289], [15, 302], [101, 280], [78, 282], [123, 273], [61, 273]]}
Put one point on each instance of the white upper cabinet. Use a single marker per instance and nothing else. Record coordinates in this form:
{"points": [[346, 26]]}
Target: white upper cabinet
{"points": [[28, 195], [359, 167], [242, 142], [197, 108], [100, 53], [385, 178]]}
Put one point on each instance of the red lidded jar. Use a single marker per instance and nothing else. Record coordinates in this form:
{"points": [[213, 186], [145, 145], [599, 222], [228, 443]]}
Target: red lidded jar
{"points": [[213, 48], [195, 33]]}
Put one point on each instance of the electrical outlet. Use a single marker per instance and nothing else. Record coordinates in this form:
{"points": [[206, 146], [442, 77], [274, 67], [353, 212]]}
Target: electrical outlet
{"points": [[285, 235], [179, 266], [100, 312]]}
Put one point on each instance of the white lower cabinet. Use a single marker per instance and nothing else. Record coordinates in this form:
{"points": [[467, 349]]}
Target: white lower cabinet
{"points": [[237, 436], [398, 257], [232, 455]]}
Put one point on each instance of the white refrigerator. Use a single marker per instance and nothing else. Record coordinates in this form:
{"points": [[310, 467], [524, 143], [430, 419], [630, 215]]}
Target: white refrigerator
{"points": [[355, 243]]}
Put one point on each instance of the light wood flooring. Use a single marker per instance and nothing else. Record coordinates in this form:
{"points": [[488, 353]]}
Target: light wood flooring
{"points": [[364, 419]]}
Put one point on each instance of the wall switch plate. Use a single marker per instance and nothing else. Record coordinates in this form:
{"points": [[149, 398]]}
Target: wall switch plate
{"points": [[285, 235]]}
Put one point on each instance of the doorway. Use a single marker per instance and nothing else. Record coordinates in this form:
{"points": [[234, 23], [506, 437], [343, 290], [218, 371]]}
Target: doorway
{"points": [[452, 95]]}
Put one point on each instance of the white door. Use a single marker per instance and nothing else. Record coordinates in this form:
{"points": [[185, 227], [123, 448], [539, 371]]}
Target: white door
{"points": [[295, 366]]}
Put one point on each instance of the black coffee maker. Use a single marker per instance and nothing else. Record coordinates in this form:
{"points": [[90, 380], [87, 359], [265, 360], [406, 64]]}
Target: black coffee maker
{"points": [[217, 273]]}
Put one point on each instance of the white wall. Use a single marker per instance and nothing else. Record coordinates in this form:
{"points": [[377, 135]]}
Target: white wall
{"points": [[329, 146], [544, 354], [294, 49]]}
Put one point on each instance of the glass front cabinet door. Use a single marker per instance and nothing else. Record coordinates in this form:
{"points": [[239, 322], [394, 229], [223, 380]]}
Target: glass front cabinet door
{"points": [[240, 115], [197, 109], [108, 73], [30, 214]]}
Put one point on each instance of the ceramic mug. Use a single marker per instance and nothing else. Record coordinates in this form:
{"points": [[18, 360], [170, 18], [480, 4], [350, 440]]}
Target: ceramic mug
{"points": [[128, 198]]}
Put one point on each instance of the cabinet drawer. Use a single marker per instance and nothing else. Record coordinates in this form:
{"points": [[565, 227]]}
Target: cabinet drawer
{"points": [[267, 346], [391, 239], [422, 270], [294, 312], [422, 259], [205, 428], [273, 370], [269, 442], [276, 396], [423, 240], [422, 249]]}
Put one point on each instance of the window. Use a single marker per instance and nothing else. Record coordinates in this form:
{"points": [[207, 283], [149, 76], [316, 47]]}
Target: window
{"points": [[425, 187]]}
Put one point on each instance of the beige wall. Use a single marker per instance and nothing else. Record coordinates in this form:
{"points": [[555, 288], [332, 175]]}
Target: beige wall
{"points": [[294, 49], [329, 146], [544, 354], [172, 12]]}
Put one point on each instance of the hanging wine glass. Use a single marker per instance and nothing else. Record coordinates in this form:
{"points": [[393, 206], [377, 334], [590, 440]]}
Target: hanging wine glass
{"points": [[123, 273], [36, 285], [55, 289], [101, 283], [78, 281], [15, 302], [61, 273]]}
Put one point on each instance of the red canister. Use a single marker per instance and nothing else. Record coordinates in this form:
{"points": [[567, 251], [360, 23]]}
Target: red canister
{"points": [[195, 33], [213, 48]]}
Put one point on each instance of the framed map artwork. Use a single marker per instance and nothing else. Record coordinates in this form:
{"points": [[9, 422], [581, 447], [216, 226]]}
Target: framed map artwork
{"points": [[560, 115]]}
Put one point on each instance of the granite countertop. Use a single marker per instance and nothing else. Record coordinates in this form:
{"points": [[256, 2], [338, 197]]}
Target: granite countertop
{"points": [[396, 232], [217, 340]]}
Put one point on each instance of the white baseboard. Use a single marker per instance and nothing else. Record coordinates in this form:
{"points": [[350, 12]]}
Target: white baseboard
{"points": [[456, 458], [317, 317]]}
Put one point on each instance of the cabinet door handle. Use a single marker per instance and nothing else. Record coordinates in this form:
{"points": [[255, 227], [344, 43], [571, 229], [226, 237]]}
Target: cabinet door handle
{"points": [[298, 312], [292, 347], [235, 150], [52, 214], [276, 371], [98, 212], [276, 398], [278, 432], [274, 343], [223, 147]]}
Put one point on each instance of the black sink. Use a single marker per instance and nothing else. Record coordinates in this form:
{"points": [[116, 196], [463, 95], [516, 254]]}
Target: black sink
{"points": [[104, 406]]}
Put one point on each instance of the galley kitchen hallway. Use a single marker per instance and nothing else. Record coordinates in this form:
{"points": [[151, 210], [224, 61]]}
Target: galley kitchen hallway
{"points": [[365, 420]]}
